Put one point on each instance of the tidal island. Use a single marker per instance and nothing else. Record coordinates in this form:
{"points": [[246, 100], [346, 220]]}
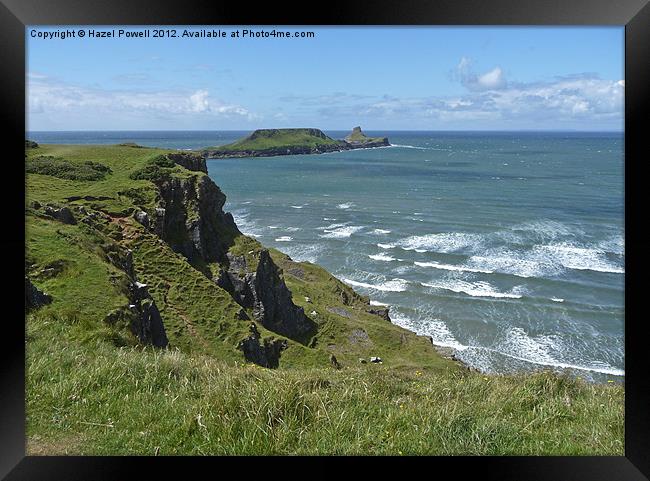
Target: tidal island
{"points": [[273, 142]]}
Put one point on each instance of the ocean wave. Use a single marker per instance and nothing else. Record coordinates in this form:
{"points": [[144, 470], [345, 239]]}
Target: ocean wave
{"points": [[509, 262], [345, 205], [449, 267], [393, 285], [341, 232], [381, 231], [445, 242], [474, 289], [614, 244], [577, 257], [436, 328], [408, 146], [382, 257], [303, 252], [385, 246], [333, 226], [298, 206], [377, 303], [284, 238], [515, 344]]}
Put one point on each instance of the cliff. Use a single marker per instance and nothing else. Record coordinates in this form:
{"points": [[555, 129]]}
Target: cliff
{"points": [[146, 254]]}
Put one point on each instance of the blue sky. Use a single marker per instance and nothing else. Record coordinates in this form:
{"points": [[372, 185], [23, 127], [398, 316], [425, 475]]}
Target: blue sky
{"points": [[416, 78]]}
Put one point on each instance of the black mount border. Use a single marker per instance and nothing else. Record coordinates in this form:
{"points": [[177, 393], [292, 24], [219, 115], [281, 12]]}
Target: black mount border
{"points": [[633, 14]]}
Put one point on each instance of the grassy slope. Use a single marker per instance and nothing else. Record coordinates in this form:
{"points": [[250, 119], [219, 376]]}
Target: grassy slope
{"points": [[91, 398], [277, 138], [74, 358]]}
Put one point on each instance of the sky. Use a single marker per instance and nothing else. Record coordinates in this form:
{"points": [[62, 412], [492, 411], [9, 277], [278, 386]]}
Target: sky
{"points": [[382, 78]]}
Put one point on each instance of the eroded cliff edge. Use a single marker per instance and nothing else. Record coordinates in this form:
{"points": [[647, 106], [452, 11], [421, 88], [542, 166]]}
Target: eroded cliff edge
{"points": [[159, 258]]}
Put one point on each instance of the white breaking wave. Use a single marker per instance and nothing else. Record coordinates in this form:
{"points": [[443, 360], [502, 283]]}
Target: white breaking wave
{"points": [[580, 258], [345, 205], [444, 242], [394, 285], [510, 262], [284, 238], [382, 257], [385, 246], [303, 253], [557, 299], [381, 231], [435, 328], [474, 289], [449, 267], [341, 232], [377, 303], [292, 229], [298, 206], [408, 146]]}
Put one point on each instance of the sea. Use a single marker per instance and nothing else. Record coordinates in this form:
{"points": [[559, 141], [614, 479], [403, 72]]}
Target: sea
{"points": [[506, 246]]}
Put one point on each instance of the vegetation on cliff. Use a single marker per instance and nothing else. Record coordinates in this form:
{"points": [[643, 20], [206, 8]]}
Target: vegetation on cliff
{"points": [[152, 308], [272, 142]]}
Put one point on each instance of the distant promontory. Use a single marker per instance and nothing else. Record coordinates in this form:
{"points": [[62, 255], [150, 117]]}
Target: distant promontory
{"points": [[272, 142]]}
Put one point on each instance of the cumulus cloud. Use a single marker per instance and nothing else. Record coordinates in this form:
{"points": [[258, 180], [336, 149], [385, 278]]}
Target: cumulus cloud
{"points": [[45, 95], [576, 101], [492, 80]]}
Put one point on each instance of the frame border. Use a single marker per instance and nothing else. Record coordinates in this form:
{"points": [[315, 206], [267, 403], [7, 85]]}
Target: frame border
{"points": [[634, 14]]}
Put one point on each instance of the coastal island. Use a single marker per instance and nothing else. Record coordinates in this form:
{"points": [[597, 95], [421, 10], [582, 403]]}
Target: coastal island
{"points": [[273, 142]]}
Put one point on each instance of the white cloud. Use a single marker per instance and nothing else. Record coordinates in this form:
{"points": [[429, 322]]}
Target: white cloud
{"points": [[491, 80], [53, 97], [494, 79]]}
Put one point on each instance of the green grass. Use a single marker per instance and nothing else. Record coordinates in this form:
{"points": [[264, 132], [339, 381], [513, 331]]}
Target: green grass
{"points": [[95, 399], [91, 389], [63, 169]]}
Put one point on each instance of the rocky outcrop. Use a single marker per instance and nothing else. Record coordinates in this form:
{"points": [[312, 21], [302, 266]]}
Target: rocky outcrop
{"points": [[263, 290], [147, 324], [189, 160], [275, 151], [189, 217], [358, 140], [383, 313], [62, 214], [265, 353], [34, 297]]}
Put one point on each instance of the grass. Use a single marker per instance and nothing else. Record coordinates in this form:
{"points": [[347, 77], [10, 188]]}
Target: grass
{"points": [[63, 169], [95, 399], [91, 389]]}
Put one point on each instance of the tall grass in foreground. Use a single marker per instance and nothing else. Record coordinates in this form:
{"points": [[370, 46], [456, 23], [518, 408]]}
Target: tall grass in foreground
{"points": [[94, 398]]}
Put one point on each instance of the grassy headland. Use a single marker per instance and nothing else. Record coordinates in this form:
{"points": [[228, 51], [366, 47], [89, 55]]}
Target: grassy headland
{"points": [[272, 142], [128, 240]]}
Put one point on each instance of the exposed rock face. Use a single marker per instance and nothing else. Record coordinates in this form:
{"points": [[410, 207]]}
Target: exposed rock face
{"points": [[147, 324], [191, 220], [266, 293], [62, 214], [383, 313], [34, 297], [274, 151], [265, 354], [189, 160], [358, 140]]}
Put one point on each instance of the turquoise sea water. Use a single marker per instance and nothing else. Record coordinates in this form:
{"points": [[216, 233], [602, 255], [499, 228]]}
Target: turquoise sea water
{"points": [[508, 247]]}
